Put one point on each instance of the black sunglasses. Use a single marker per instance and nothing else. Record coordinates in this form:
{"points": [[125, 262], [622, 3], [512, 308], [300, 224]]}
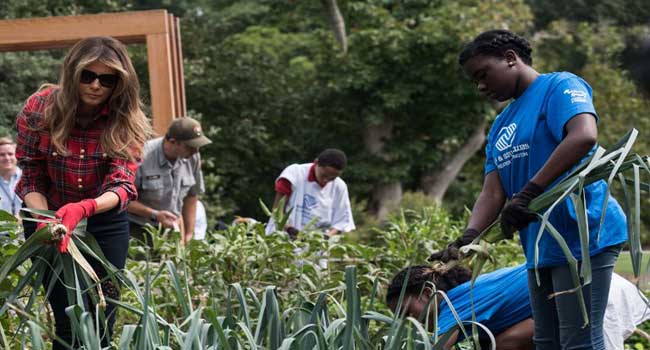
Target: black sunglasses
{"points": [[106, 80]]}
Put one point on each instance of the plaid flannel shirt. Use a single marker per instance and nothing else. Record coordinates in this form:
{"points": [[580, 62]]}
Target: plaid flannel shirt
{"points": [[85, 172]]}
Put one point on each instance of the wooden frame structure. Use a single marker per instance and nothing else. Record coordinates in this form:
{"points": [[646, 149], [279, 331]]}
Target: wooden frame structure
{"points": [[157, 29]]}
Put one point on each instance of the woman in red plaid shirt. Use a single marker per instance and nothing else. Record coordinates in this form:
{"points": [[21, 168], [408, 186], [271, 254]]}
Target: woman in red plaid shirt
{"points": [[78, 144]]}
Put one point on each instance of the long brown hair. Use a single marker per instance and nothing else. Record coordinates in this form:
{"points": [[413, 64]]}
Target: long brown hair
{"points": [[127, 127]]}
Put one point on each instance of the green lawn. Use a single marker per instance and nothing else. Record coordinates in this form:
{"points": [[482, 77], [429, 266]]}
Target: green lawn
{"points": [[624, 263]]}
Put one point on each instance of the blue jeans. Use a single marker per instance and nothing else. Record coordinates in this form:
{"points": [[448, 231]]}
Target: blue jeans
{"points": [[558, 321], [111, 230]]}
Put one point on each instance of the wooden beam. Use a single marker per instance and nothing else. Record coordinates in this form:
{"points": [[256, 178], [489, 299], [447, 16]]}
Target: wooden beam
{"points": [[63, 31], [174, 63], [181, 72], [160, 79]]}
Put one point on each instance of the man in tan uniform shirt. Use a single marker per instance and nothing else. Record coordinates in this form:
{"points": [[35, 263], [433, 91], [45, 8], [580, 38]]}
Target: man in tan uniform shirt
{"points": [[169, 179]]}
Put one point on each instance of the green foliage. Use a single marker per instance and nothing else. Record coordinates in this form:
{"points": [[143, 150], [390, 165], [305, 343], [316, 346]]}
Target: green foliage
{"points": [[177, 294], [621, 12], [271, 82], [272, 88]]}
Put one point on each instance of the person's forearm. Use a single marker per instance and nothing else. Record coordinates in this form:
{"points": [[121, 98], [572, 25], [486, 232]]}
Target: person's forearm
{"points": [[452, 340], [107, 201], [189, 216], [486, 209], [582, 135], [36, 200], [488, 204], [278, 197], [139, 209]]}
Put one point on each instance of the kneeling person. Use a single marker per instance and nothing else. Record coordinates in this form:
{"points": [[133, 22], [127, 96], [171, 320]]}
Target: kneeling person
{"points": [[500, 301]]}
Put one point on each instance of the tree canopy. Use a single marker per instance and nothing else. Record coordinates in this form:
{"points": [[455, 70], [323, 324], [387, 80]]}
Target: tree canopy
{"points": [[272, 86]]}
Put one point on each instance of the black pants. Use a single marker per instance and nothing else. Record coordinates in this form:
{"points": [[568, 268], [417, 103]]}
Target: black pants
{"points": [[111, 230]]}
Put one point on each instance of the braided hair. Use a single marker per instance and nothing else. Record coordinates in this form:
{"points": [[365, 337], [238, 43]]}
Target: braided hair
{"points": [[495, 43], [420, 275]]}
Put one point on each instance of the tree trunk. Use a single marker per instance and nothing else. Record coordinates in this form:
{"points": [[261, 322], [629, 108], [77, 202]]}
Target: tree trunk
{"points": [[336, 22], [385, 196], [436, 182]]}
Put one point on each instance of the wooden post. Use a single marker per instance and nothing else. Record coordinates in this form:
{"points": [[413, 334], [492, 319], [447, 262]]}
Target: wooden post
{"points": [[160, 76], [181, 72], [174, 63]]}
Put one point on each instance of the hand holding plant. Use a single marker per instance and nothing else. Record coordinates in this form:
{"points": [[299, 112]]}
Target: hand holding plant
{"points": [[516, 215], [292, 232], [70, 215], [452, 250]]}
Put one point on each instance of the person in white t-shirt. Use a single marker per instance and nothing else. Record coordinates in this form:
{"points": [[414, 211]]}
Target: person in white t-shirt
{"points": [[201, 222], [317, 194], [626, 309]]}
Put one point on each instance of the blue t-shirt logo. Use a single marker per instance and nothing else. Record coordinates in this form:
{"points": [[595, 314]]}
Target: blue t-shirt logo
{"points": [[507, 151], [577, 96], [505, 137]]}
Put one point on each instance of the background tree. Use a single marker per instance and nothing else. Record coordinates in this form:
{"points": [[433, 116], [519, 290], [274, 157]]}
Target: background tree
{"points": [[272, 85]]}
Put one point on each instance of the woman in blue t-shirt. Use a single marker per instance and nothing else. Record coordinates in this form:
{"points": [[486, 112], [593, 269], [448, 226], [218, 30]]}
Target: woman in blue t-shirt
{"points": [[549, 127]]}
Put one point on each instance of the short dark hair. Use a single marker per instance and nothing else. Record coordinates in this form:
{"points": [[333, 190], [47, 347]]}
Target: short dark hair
{"points": [[419, 275], [495, 43], [332, 157]]}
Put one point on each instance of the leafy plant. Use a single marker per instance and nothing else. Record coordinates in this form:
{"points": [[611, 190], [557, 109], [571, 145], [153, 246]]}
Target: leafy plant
{"points": [[240, 288]]}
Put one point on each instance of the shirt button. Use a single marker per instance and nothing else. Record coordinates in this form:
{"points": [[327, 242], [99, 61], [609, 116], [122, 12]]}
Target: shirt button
{"points": [[83, 150], [104, 155], [80, 186], [81, 156], [54, 154], [80, 180]]}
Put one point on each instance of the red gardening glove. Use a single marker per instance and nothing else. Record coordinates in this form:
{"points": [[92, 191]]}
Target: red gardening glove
{"points": [[40, 225], [70, 215]]}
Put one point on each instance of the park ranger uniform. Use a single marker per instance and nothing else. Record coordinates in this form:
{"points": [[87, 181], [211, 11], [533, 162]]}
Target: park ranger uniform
{"points": [[163, 185]]}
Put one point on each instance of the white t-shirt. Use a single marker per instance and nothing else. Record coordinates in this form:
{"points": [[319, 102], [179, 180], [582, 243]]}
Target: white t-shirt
{"points": [[330, 205], [201, 222], [626, 309]]}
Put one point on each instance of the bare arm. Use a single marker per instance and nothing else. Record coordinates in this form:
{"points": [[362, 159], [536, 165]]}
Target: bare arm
{"points": [[166, 218], [581, 136], [452, 340], [189, 217], [36, 200], [518, 336], [488, 204], [276, 200], [139, 209], [107, 201]]}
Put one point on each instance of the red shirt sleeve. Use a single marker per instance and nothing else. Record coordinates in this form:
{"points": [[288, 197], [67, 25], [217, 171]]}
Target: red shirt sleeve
{"points": [[30, 158], [120, 180], [283, 187]]}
